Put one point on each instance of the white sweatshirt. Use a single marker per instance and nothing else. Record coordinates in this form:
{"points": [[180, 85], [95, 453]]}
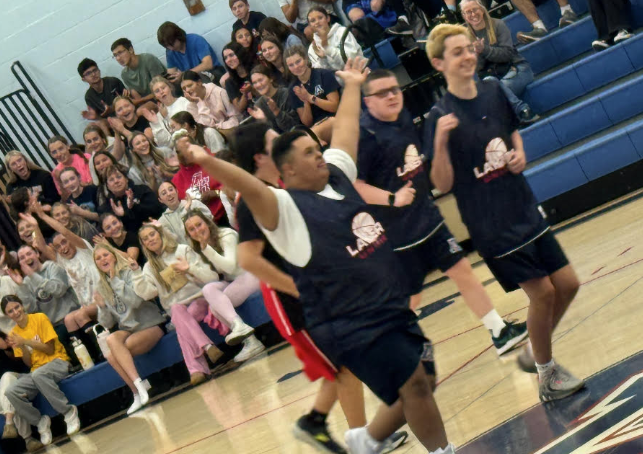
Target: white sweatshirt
{"points": [[161, 127], [226, 263], [333, 59], [172, 221]]}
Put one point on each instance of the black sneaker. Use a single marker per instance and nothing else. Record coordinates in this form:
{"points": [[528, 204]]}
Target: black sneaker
{"points": [[527, 117], [511, 335], [402, 27], [534, 35], [394, 441], [316, 435]]}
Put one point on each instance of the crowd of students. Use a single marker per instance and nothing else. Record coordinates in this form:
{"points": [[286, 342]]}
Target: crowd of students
{"points": [[140, 225]]}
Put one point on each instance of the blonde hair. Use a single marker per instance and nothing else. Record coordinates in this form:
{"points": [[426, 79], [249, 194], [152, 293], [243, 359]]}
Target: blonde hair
{"points": [[104, 287], [155, 261], [156, 156], [162, 80], [214, 241], [30, 165], [491, 32], [437, 37]]}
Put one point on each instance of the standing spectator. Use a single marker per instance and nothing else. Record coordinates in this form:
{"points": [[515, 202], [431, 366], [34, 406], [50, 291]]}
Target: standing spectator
{"points": [[272, 105], [101, 92], [214, 108], [271, 27], [245, 17], [528, 9], [296, 12], [324, 51], [67, 156], [138, 69], [237, 62], [611, 21], [498, 57], [23, 173], [315, 93], [35, 341], [185, 51]]}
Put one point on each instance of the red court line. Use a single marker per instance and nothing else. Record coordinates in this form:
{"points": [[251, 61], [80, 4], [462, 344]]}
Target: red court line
{"points": [[464, 365], [597, 270], [626, 250]]}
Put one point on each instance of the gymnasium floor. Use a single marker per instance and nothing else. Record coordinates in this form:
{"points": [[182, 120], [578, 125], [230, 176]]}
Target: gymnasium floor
{"points": [[482, 398]]}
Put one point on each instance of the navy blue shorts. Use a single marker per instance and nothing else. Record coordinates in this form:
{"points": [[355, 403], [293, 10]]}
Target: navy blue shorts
{"points": [[388, 361], [439, 251], [540, 258]]}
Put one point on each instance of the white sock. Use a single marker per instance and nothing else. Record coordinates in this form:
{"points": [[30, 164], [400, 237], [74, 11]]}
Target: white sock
{"points": [[449, 449], [566, 8], [451, 7], [142, 392], [544, 368], [493, 322], [404, 18], [539, 24]]}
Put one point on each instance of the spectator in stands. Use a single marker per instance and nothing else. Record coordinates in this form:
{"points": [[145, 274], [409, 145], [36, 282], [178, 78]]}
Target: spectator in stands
{"points": [[378, 10], [62, 213], [25, 232], [168, 106], [133, 204], [296, 12], [274, 28], [498, 57], [324, 51], [315, 93], [193, 181], [35, 341], [244, 36], [218, 248], [611, 21], [115, 235], [185, 51], [101, 92], [237, 61], [245, 17], [101, 161], [140, 324], [128, 119], [209, 138], [138, 70], [273, 105], [176, 274], [272, 52], [82, 199], [49, 284], [23, 173], [10, 369], [96, 140], [172, 219], [67, 156], [528, 9], [155, 164], [9, 287], [214, 108]]}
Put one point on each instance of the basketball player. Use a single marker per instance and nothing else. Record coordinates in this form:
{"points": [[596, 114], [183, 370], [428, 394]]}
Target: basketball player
{"points": [[252, 145], [352, 288], [468, 128], [391, 174]]}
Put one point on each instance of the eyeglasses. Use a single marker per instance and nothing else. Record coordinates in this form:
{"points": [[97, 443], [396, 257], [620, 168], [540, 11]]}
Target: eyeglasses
{"points": [[119, 53], [471, 12], [385, 92], [91, 72]]}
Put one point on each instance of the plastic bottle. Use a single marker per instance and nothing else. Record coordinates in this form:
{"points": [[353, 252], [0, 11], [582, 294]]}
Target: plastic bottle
{"points": [[82, 354], [101, 337]]}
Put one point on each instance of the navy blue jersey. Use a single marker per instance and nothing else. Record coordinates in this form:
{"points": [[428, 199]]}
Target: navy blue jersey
{"points": [[353, 284], [88, 199], [498, 207], [321, 83], [388, 158]]}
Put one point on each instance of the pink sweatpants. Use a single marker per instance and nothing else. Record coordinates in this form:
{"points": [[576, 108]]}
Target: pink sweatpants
{"points": [[191, 337]]}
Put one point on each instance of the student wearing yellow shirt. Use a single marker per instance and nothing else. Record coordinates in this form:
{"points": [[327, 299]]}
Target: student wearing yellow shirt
{"points": [[34, 340]]}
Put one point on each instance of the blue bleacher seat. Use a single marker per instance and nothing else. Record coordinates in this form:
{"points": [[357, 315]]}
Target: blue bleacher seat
{"points": [[553, 90], [540, 140], [634, 49], [623, 101], [579, 121], [555, 177], [635, 131], [603, 68], [609, 153]]}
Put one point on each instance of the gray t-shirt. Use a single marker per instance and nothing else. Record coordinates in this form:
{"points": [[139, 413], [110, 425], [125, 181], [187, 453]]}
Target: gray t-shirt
{"points": [[304, 7], [139, 78]]}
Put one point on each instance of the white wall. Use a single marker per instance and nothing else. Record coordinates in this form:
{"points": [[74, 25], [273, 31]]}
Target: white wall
{"points": [[50, 38]]}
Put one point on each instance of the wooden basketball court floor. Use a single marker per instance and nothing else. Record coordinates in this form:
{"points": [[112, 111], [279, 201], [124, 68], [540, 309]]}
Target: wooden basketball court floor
{"points": [[252, 409]]}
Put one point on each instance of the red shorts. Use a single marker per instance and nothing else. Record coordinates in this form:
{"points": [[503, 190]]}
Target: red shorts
{"points": [[316, 365]]}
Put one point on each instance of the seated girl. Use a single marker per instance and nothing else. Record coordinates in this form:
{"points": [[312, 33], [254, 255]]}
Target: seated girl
{"points": [[123, 241], [128, 119], [324, 51], [66, 156], [218, 247], [140, 324], [315, 93], [287, 36], [207, 137], [273, 105], [172, 219], [273, 54], [82, 200], [63, 214], [238, 63], [23, 173], [244, 36], [154, 164], [168, 106]]}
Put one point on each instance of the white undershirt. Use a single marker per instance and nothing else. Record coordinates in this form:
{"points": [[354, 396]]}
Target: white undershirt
{"points": [[291, 238]]}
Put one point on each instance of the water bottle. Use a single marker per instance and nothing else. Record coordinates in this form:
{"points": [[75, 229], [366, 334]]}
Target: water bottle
{"points": [[102, 338], [82, 354]]}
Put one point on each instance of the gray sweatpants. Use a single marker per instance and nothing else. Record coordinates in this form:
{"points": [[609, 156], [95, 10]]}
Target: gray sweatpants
{"points": [[43, 380]]}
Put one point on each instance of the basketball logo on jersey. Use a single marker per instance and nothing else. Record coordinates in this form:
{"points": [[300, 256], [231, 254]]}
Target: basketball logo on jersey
{"points": [[413, 163], [200, 184], [454, 246], [319, 90], [369, 233], [496, 157]]}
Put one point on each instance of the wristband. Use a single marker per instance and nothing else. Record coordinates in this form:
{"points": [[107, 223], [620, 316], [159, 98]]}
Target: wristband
{"points": [[391, 199], [313, 99]]}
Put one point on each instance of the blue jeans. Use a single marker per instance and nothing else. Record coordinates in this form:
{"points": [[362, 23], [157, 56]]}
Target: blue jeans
{"points": [[514, 83]]}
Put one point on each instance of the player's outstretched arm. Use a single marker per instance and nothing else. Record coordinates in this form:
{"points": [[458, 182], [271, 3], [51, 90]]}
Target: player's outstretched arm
{"points": [[261, 200], [346, 126]]}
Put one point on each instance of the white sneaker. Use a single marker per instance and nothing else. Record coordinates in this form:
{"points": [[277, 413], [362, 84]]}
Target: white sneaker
{"points": [[136, 406], [622, 36], [251, 347], [240, 332], [450, 449], [142, 391], [72, 421], [44, 429], [360, 442]]}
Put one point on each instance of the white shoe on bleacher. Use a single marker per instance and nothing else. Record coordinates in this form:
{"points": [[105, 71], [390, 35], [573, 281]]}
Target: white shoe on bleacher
{"points": [[622, 36]]}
